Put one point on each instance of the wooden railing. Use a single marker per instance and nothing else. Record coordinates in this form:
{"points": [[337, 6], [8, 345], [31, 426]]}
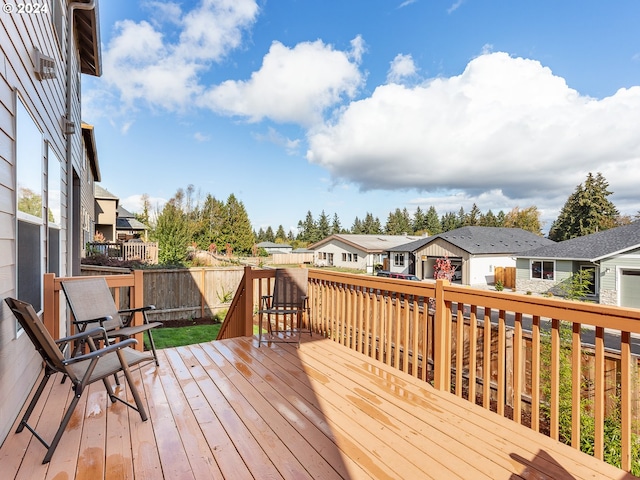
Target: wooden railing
{"points": [[127, 290], [146, 252], [436, 332]]}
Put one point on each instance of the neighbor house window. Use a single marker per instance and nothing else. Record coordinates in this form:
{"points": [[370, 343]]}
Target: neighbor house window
{"points": [[398, 259], [543, 269], [30, 232]]}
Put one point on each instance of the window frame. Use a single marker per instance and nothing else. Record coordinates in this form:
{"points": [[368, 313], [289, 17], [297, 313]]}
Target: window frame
{"points": [[26, 127], [542, 263]]}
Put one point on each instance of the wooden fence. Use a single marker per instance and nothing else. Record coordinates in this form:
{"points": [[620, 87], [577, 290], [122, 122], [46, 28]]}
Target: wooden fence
{"points": [[181, 293], [518, 367], [292, 258], [506, 275]]}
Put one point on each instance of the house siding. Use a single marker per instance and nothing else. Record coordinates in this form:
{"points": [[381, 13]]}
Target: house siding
{"points": [[610, 280], [46, 102], [337, 248], [524, 283]]}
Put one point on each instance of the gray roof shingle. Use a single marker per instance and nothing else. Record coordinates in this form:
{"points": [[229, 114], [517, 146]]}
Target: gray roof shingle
{"points": [[592, 247], [483, 240]]}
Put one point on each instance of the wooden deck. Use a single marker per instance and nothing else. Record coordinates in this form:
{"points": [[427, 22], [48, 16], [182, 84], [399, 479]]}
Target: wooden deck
{"points": [[229, 409]]}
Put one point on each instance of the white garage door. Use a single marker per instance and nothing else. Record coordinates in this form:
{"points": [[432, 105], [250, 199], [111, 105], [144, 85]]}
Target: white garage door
{"points": [[630, 288]]}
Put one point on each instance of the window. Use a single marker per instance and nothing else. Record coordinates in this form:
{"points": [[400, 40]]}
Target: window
{"points": [[54, 211], [543, 269], [398, 259], [30, 237]]}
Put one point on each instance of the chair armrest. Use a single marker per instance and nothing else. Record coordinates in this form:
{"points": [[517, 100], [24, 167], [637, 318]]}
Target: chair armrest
{"points": [[101, 351], [144, 311], [93, 320], [80, 335], [139, 309]]}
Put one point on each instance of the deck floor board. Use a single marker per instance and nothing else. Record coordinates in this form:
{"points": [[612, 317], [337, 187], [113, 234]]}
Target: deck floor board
{"points": [[229, 409]]}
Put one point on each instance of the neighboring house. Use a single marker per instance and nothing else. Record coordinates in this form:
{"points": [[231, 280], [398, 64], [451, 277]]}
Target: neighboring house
{"points": [[46, 158], [362, 252], [128, 227], [91, 174], [271, 247], [474, 251], [612, 257], [106, 213]]}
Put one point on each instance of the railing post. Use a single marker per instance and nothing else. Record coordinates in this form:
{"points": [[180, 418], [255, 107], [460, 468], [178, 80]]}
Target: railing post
{"points": [[441, 371], [248, 302], [136, 297], [50, 315]]}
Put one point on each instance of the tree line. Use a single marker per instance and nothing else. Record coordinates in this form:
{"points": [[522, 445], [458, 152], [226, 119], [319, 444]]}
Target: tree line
{"points": [[224, 226]]}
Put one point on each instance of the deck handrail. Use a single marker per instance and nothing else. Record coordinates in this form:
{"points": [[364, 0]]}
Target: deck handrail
{"points": [[54, 300], [414, 327]]}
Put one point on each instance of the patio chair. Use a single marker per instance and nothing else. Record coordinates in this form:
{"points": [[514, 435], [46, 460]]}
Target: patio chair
{"points": [[285, 309], [91, 301], [83, 370]]}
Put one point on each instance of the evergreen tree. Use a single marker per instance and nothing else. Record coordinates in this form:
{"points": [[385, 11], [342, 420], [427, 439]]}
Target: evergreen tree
{"points": [[587, 210], [323, 227], [371, 225], [432, 221], [280, 234], [500, 219], [419, 224], [461, 219], [449, 222], [474, 216], [268, 234], [398, 222], [173, 234], [527, 219], [260, 235], [489, 219], [208, 223], [335, 225], [308, 230], [237, 231], [356, 228]]}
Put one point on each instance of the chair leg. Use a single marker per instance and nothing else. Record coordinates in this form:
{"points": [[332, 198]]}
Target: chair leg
{"points": [[62, 427], [33, 402], [153, 348], [134, 390]]}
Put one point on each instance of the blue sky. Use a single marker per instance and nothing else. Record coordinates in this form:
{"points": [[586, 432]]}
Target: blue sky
{"points": [[356, 106]]}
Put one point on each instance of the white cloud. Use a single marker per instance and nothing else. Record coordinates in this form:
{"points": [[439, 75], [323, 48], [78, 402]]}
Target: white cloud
{"points": [[504, 124], [146, 65], [455, 6], [293, 84], [402, 67], [201, 137], [275, 137]]}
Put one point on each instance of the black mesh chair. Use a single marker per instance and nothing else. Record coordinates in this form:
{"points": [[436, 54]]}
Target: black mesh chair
{"points": [[82, 370]]}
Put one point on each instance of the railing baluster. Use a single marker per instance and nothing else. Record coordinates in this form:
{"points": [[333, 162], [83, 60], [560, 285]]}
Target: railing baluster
{"points": [[517, 368], [554, 401], [576, 387], [598, 447], [486, 360], [535, 373], [459, 350], [502, 366], [625, 400], [473, 351]]}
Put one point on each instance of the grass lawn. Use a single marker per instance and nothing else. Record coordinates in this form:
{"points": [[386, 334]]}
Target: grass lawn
{"points": [[178, 336]]}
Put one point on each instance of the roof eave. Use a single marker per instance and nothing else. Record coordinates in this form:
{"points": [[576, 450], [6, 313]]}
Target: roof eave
{"points": [[87, 31], [92, 151]]}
